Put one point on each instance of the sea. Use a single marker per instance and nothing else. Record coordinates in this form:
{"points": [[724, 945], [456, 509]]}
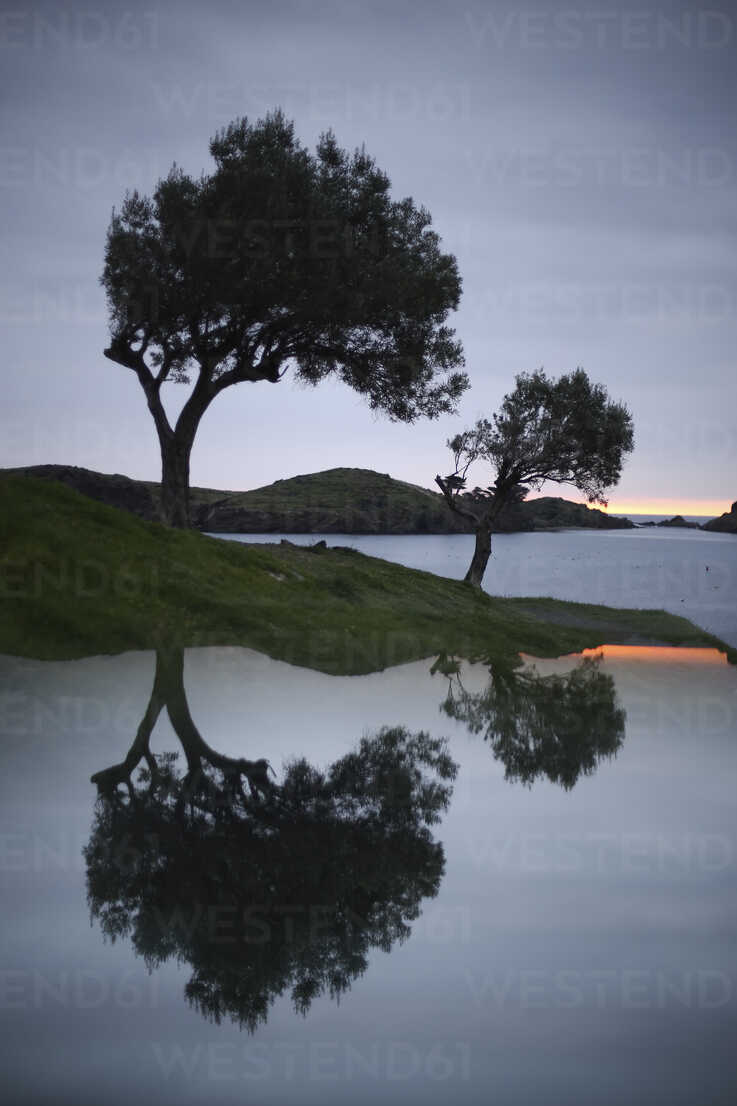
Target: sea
{"points": [[687, 572]]}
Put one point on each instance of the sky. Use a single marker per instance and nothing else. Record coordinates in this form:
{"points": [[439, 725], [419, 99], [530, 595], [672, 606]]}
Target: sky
{"points": [[580, 160]]}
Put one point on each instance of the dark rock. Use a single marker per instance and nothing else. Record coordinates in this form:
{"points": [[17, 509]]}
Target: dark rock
{"points": [[555, 513], [726, 523], [679, 520]]}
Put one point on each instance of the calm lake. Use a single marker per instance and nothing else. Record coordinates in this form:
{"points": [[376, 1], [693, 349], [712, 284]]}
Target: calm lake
{"points": [[543, 910]]}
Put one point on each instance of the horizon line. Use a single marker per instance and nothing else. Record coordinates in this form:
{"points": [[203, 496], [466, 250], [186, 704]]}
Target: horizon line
{"points": [[669, 506], [663, 505]]}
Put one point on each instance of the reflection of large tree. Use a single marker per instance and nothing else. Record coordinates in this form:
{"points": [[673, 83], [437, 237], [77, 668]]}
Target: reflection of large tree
{"points": [[557, 726], [287, 890]]}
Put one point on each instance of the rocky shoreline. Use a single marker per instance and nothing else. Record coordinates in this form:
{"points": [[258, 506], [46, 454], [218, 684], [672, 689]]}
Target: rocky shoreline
{"points": [[725, 524]]}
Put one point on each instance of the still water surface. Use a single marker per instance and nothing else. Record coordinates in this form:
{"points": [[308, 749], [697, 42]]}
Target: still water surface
{"points": [[576, 929]]}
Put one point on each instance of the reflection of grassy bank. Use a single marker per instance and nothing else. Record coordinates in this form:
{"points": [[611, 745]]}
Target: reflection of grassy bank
{"points": [[78, 578]]}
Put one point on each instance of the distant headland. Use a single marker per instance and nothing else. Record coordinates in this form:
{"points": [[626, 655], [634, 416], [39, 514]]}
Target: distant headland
{"points": [[339, 501], [726, 523]]}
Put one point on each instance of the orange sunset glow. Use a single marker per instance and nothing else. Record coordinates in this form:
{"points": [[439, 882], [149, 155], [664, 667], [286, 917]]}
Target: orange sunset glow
{"points": [[659, 654], [710, 508]]}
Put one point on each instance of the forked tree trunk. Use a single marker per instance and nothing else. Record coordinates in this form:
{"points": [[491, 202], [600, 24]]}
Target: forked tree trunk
{"points": [[176, 444], [481, 554], [175, 454]]}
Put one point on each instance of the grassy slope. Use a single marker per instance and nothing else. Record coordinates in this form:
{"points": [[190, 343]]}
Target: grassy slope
{"points": [[334, 485], [357, 500], [365, 500], [362, 500], [78, 578]]}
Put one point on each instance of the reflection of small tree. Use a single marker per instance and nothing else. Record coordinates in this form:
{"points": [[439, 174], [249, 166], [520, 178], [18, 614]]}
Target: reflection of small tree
{"points": [[286, 894], [554, 726]]}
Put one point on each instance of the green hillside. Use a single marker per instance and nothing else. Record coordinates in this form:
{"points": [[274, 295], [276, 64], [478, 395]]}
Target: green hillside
{"points": [[342, 500], [80, 578]]}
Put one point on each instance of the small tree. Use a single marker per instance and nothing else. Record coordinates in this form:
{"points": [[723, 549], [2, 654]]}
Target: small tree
{"points": [[278, 258], [566, 431]]}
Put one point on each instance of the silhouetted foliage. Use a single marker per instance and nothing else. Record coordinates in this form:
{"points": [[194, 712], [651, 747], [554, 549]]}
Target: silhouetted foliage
{"points": [[555, 726], [279, 258], [286, 892], [566, 431]]}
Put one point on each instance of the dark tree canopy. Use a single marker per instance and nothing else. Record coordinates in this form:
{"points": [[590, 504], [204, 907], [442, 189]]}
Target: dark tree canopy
{"points": [[281, 258], [567, 431], [559, 727], [283, 893]]}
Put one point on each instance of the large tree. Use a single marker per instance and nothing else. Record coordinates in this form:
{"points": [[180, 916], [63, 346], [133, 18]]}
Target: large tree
{"points": [[279, 258], [567, 431]]}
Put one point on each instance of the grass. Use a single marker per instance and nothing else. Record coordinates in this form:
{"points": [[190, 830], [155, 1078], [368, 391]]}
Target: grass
{"points": [[79, 578]]}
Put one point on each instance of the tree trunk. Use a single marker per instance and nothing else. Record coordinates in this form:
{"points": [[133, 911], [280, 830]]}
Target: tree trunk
{"points": [[481, 554], [175, 453]]}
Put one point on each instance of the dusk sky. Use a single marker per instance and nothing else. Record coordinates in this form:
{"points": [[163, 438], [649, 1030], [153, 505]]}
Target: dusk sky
{"points": [[579, 160]]}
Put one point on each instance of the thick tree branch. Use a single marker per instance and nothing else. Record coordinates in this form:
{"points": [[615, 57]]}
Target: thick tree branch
{"points": [[452, 501], [268, 368], [199, 400], [167, 360], [122, 354]]}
